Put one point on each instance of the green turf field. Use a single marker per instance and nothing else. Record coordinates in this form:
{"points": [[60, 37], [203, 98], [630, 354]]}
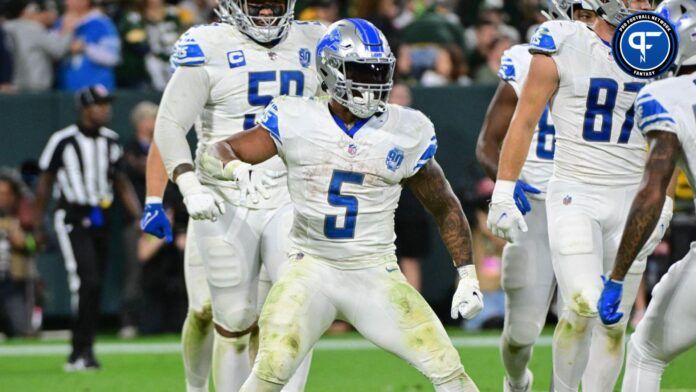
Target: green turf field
{"points": [[345, 363]]}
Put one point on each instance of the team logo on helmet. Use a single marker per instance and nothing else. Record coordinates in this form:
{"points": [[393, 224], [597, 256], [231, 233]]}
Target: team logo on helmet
{"points": [[645, 45]]}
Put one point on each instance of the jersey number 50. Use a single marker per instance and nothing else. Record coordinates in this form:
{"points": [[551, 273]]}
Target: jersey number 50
{"points": [[605, 110], [255, 80], [350, 203]]}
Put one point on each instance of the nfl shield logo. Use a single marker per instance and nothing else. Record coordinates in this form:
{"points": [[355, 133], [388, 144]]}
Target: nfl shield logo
{"points": [[352, 149], [305, 57], [395, 158], [567, 200]]}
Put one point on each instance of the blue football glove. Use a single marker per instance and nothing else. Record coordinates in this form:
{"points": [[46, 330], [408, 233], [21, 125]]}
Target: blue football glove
{"points": [[609, 301], [520, 196], [155, 222]]}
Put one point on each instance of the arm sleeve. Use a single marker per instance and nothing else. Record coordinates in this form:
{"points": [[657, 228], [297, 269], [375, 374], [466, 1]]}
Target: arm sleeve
{"points": [[550, 36], [426, 148], [184, 98], [652, 114], [116, 157], [56, 45], [513, 69], [188, 50], [51, 155], [269, 120]]}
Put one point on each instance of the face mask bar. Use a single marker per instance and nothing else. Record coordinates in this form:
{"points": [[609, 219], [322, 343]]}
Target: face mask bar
{"points": [[363, 86], [245, 16]]}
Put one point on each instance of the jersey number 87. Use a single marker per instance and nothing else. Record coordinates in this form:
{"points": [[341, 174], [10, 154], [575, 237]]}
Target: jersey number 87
{"points": [[605, 110]]}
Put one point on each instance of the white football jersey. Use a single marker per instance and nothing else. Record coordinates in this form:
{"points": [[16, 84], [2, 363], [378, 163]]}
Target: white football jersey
{"points": [[538, 168], [245, 77], [670, 105], [345, 189], [592, 109]]}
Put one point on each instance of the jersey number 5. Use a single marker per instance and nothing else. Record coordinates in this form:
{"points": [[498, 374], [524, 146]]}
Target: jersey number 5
{"points": [[350, 203], [255, 80], [605, 110]]}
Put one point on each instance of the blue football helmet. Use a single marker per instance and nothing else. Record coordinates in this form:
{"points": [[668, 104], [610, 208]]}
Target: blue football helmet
{"points": [[356, 66], [682, 14]]}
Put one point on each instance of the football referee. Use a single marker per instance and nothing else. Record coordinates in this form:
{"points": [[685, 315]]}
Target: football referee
{"points": [[84, 161]]}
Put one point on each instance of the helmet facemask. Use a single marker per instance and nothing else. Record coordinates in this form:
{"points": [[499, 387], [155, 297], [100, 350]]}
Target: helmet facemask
{"points": [[362, 86], [558, 9], [612, 11], [247, 16]]}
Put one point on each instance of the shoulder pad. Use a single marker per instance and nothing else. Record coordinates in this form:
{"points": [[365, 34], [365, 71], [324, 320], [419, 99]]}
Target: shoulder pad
{"points": [[652, 110], [312, 30], [189, 50], [652, 107], [514, 62], [551, 35]]}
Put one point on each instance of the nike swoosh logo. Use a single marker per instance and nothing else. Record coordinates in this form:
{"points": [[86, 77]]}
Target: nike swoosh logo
{"points": [[501, 217], [149, 217], [392, 269]]}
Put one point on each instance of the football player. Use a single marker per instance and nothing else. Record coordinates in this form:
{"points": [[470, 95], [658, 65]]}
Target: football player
{"points": [[665, 113], [226, 74], [527, 279], [348, 157], [598, 165]]}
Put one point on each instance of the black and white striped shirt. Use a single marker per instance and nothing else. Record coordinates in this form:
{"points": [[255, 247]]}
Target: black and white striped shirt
{"points": [[84, 165]]}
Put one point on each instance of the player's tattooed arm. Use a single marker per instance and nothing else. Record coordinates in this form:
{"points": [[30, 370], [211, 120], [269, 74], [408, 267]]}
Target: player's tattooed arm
{"points": [[495, 127], [435, 193], [646, 207], [252, 146]]}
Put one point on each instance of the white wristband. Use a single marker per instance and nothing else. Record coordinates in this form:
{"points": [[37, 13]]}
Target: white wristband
{"points": [[668, 207], [504, 189], [234, 169], [153, 200], [187, 182], [467, 271]]}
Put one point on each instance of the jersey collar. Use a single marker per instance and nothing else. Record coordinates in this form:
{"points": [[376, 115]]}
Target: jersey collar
{"points": [[607, 44], [352, 131]]}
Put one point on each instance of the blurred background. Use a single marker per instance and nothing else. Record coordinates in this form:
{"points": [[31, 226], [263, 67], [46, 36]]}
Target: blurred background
{"points": [[448, 55]]}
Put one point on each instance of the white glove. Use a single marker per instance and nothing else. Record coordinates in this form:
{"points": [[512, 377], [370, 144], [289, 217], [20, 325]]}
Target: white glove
{"points": [[250, 183], [201, 203], [660, 230], [232, 171], [255, 182], [467, 300], [504, 218]]}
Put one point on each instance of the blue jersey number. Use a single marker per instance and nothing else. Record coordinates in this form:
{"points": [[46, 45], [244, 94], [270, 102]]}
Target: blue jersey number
{"points": [[287, 78], [350, 203], [609, 88], [546, 143]]}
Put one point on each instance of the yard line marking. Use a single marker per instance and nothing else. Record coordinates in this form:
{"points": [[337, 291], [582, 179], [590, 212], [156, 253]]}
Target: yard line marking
{"points": [[173, 348]]}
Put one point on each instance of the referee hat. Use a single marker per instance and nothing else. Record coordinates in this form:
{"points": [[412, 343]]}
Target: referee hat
{"points": [[92, 95]]}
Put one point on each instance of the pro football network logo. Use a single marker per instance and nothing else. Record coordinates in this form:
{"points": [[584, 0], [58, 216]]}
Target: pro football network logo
{"points": [[645, 45]]}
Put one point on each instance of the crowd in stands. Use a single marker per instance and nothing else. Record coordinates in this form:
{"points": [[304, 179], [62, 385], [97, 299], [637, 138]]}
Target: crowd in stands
{"points": [[70, 44]]}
